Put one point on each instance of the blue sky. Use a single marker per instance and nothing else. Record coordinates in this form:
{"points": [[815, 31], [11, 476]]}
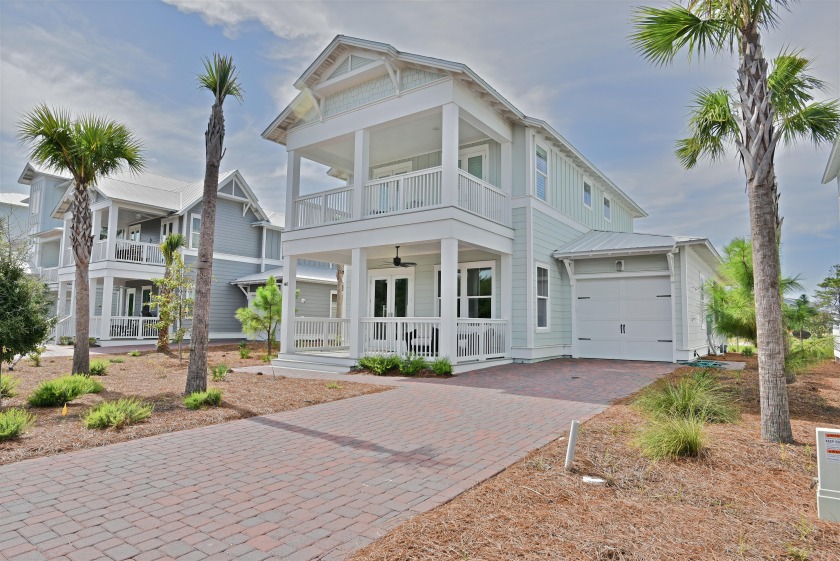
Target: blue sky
{"points": [[567, 62]]}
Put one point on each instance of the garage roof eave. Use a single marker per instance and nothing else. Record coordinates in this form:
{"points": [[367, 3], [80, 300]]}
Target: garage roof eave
{"points": [[613, 252]]}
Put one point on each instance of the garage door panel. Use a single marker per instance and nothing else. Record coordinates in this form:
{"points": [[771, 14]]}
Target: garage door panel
{"points": [[600, 348], [602, 328], [646, 287], [646, 350], [600, 308], [646, 330], [598, 288], [648, 308]]}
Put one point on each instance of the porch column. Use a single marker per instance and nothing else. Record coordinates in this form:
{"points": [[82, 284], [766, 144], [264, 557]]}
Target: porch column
{"points": [[287, 323], [292, 188], [505, 291], [449, 155], [448, 336], [358, 300], [107, 302], [113, 215], [361, 165], [507, 176], [92, 286], [59, 300], [65, 245]]}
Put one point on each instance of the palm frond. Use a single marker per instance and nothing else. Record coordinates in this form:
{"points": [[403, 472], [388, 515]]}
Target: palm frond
{"points": [[105, 146], [220, 77], [170, 245], [819, 122], [790, 84], [661, 33], [47, 133], [712, 126]]}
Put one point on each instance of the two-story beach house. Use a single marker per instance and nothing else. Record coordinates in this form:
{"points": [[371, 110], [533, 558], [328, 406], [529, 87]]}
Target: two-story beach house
{"points": [[468, 229], [14, 217], [132, 214]]}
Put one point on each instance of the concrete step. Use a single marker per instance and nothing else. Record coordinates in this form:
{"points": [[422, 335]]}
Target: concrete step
{"points": [[316, 363]]}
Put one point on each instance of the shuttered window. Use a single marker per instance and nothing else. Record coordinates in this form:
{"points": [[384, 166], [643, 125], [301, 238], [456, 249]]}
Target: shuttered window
{"points": [[195, 230], [541, 175]]}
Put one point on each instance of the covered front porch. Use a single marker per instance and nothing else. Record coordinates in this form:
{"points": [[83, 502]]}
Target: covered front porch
{"points": [[439, 298]]}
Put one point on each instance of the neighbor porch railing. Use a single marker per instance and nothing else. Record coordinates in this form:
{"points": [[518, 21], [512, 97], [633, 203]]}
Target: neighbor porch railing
{"points": [[130, 327], [49, 274], [69, 258], [324, 208], [398, 193], [402, 336], [65, 327], [480, 339], [481, 198], [322, 334]]}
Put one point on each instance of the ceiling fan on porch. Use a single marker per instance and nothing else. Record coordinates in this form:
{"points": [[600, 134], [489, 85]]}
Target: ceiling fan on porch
{"points": [[398, 262]]}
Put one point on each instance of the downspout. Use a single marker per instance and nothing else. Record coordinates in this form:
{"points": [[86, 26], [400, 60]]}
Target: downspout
{"points": [[262, 257], [570, 270], [670, 257]]}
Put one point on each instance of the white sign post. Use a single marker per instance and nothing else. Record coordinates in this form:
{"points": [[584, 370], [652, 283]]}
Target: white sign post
{"points": [[828, 473]]}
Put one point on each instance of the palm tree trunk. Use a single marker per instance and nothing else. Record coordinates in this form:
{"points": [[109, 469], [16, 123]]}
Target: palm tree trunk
{"points": [[200, 332], [757, 148], [82, 240]]}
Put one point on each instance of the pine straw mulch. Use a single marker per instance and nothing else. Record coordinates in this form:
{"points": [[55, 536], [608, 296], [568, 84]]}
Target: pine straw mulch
{"points": [[159, 379], [745, 499]]}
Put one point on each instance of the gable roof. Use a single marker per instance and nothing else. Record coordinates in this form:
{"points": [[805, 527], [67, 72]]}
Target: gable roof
{"points": [[342, 44], [14, 199], [598, 243], [304, 272], [832, 168], [31, 169]]}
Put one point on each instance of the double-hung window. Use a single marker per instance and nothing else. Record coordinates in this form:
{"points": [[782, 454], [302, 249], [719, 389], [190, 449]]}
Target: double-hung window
{"points": [[474, 298], [607, 210], [587, 195], [541, 173], [542, 297], [195, 230]]}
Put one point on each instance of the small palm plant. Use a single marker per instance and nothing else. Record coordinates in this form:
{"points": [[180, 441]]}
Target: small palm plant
{"points": [[170, 246]]}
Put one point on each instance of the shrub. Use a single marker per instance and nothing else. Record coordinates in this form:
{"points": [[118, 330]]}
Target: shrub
{"points": [[59, 391], [8, 386], [748, 351], [441, 366], [93, 341], [66, 340], [244, 352], [219, 372], [379, 364], [412, 364], [117, 414], [116, 360], [332, 386], [698, 397], [807, 353], [134, 353], [672, 437], [35, 358], [99, 367], [200, 400], [266, 359], [13, 422]]}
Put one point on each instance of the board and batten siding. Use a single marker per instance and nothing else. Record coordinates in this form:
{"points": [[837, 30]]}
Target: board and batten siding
{"points": [[519, 260], [234, 233], [695, 298], [273, 247], [433, 159], [150, 231], [632, 264], [49, 251]]}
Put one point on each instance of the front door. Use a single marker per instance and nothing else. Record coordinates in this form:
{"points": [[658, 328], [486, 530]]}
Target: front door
{"points": [[129, 301], [391, 296]]}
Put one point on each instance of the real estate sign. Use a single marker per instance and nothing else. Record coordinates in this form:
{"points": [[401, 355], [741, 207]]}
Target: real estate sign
{"points": [[828, 473]]}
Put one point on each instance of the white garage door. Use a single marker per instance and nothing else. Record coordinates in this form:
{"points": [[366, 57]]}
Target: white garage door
{"points": [[625, 318]]}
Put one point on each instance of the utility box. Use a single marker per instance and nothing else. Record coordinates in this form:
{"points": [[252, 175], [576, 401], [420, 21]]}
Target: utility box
{"points": [[828, 473]]}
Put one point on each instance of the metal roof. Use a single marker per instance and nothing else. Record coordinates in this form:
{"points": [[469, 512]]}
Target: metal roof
{"points": [[275, 218], [31, 169], [14, 199], [600, 243], [304, 272]]}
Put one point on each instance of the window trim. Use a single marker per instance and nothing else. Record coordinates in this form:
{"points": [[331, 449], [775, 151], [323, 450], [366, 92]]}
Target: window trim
{"points": [[165, 223], [135, 229], [392, 169], [591, 195], [547, 327], [482, 150], [192, 217], [537, 172], [333, 313], [607, 206], [464, 307]]}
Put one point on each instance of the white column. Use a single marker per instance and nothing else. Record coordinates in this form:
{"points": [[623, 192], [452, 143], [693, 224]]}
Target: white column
{"points": [[505, 292], [447, 341], [287, 324], [92, 285], [507, 176], [361, 165], [292, 187], [358, 300], [65, 244], [113, 215], [449, 154], [107, 302]]}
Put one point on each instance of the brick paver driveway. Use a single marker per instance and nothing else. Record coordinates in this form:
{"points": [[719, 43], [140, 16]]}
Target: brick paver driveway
{"points": [[316, 483]]}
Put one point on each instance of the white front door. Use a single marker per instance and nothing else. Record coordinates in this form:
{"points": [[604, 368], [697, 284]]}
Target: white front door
{"points": [[391, 295], [130, 294], [625, 318]]}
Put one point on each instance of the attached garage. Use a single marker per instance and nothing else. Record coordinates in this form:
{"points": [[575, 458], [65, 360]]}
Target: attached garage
{"points": [[639, 296]]}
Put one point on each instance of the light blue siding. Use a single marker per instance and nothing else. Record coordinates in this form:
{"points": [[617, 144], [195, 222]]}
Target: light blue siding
{"points": [[272, 245], [226, 298], [433, 159], [49, 253], [234, 233], [519, 261]]}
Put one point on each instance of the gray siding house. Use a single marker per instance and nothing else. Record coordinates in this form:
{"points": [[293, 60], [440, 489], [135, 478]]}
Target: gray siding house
{"points": [[132, 214], [468, 229]]}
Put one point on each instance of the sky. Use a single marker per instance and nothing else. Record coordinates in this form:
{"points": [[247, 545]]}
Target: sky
{"points": [[568, 62]]}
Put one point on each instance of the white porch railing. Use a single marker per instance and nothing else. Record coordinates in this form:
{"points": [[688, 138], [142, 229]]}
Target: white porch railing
{"points": [[129, 327], [402, 336], [138, 252], [325, 207], [99, 252], [95, 329], [398, 193], [69, 259], [322, 334], [480, 339], [49, 274], [481, 198], [65, 327]]}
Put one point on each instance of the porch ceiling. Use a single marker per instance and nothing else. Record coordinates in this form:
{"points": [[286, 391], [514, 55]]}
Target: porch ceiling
{"points": [[387, 252]]}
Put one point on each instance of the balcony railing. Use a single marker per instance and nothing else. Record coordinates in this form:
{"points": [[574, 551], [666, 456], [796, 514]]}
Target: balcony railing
{"points": [[481, 198], [480, 339], [48, 274], [402, 336], [130, 327], [399, 193], [324, 208], [130, 251], [322, 334]]}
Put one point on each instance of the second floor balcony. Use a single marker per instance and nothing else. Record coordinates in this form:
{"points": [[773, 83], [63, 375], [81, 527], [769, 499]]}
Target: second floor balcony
{"points": [[126, 251]]}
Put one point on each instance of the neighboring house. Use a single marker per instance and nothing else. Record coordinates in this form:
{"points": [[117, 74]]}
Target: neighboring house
{"points": [[832, 173], [512, 245], [14, 217], [132, 214]]}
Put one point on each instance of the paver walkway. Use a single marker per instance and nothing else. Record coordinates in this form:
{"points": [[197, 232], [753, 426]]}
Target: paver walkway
{"points": [[316, 483]]}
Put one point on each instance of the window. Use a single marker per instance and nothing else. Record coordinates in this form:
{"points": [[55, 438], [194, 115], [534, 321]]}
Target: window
{"points": [[393, 169], [607, 210], [195, 230], [134, 233], [542, 297], [333, 303], [167, 227], [475, 298], [474, 161], [541, 176], [587, 195]]}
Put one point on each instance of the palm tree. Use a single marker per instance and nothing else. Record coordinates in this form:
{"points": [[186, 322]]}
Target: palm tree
{"points": [[89, 148], [751, 120], [221, 79], [168, 248]]}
